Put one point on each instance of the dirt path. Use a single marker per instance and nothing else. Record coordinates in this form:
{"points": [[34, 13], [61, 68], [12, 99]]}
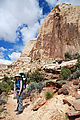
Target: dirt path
{"points": [[52, 110], [11, 106]]}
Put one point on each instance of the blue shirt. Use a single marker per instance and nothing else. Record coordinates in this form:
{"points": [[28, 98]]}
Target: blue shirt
{"points": [[17, 83]]}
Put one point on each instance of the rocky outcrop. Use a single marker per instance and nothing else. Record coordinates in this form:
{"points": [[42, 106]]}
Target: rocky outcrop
{"points": [[57, 67], [28, 48], [59, 33], [21, 65], [24, 58], [3, 67]]}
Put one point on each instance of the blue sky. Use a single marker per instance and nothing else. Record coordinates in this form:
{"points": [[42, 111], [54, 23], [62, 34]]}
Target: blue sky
{"points": [[20, 21]]}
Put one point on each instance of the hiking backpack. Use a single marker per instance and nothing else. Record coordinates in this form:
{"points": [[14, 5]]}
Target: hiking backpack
{"points": [[24, 79]]}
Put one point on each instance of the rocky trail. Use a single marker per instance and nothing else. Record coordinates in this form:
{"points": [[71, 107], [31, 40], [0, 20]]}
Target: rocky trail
{"points": [[38, 108], [53, 109]]}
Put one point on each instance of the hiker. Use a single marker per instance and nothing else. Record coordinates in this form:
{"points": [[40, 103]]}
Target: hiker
{"points": [[19, 94]]}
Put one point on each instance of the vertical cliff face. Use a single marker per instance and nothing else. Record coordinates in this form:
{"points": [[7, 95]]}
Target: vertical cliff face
{"points": [[59, 33], [28, 48]]}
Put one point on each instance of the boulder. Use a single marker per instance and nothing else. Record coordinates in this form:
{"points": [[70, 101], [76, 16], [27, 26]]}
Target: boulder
{"points": [[57, 67], [53, 84], [75, 113], [63, 91], [75, 82], [39, 103]]}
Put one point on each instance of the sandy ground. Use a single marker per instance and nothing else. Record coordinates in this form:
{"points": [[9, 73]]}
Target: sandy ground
{"points": [[53, 109]]}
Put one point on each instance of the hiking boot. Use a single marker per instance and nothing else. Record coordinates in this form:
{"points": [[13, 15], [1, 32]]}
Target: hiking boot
{"points": [[19, 112], [16, 110]]}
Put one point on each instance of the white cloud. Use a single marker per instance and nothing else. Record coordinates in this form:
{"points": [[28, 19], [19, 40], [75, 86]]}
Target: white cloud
{"points": [[55, 2], [1, 55], [51, 2], [3, 49], [6, 62], [14, 56], [30, 32], [73, 2], [17, 12]]}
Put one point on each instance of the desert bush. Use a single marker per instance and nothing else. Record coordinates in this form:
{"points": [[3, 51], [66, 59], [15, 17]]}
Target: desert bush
{"points": [[6, 85], [78, 63], [76, 55], [34, 85], [48, 95], [67, 55], [63, 81], [8, 72], [73, 69], [76, 74], [5, 78], [3, 99], [37, 58], [65, 73], [36, 76]]}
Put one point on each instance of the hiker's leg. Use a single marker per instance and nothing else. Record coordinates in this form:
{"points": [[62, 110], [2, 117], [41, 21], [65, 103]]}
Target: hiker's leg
{"points": [[21, 102], [17, 100]]}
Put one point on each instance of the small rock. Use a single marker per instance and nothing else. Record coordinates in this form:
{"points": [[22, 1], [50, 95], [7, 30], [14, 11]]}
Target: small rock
{"points": [[39, 103], [60, 61], [60, 91], [78, 97], [75, 83], [65, 91], [65, 101]]}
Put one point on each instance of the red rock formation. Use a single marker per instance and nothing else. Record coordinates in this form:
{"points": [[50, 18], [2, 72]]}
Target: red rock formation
{"points": [[59, 33]]}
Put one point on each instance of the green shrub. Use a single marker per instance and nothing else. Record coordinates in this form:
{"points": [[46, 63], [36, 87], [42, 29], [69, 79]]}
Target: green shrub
{"points": [[33, 86], [67, 55], [6, 85], [63, 81], [78, 63], [73, 69], [76, 55], [48, 95], [5, 78], [65, 73], [37, 58], [76, 74], [36, 76], [8, 72]]}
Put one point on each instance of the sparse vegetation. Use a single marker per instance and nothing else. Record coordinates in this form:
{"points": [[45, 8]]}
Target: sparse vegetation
{"points": [[37, 58], [33, 86], [65, 73], [36, 76], [67, 56], [76, 55], [66, 116], [8, 72], [6, 85], [48, 95], [78, 63]]}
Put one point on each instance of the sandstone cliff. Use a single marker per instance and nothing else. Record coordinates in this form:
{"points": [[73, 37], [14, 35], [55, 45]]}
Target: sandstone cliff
{"points": [[24, 58], [59, 33]]}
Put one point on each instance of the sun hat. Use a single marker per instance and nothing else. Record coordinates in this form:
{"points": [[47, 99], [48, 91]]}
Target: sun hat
{"points": [[17, 75]]}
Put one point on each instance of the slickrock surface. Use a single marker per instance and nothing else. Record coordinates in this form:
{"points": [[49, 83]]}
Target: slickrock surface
{"points": [[59, 33]]}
